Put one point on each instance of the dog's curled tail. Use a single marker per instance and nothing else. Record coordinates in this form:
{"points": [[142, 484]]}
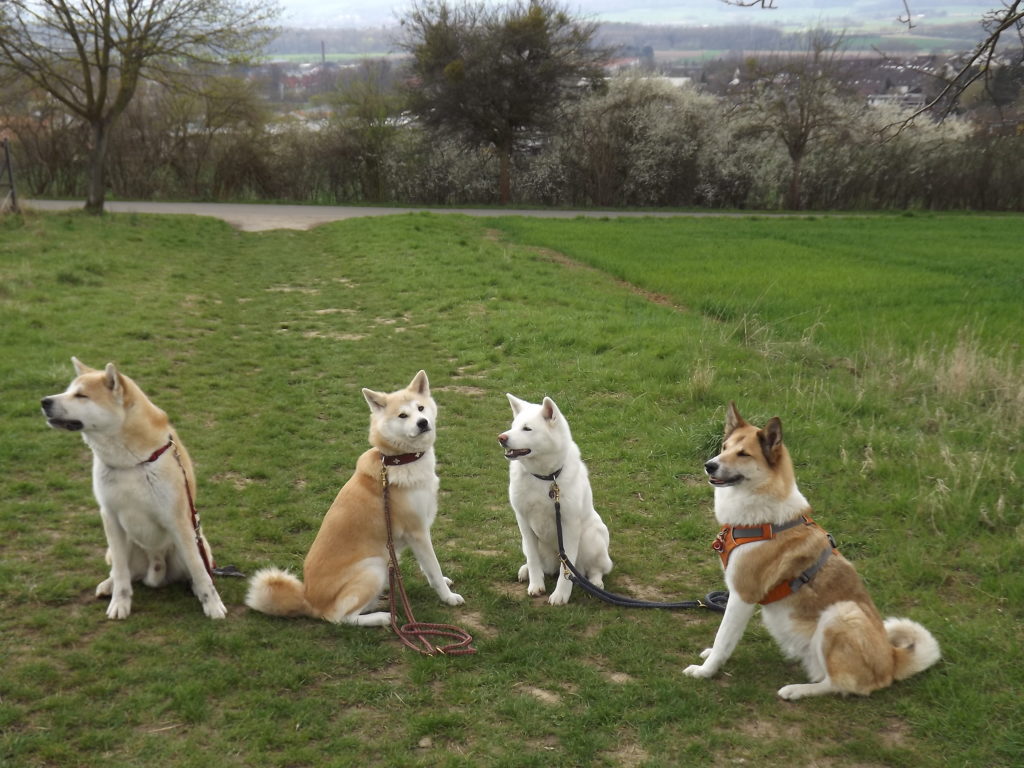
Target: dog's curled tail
{"points": [[913, 647], [278, 593]]}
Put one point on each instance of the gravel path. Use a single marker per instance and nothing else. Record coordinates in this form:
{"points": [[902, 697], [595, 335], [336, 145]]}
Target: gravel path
{"points": [[256, 218]]}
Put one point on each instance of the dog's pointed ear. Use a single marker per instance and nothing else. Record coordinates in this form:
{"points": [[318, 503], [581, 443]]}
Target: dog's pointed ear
{"points": [[377, 401], [549, 410], [112, 379], [516, 403], [733, 420], [419, 384], [80, 367], [771, 439]]}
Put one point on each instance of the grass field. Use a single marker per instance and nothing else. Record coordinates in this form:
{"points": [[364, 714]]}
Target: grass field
{"points": [[889, 347]]}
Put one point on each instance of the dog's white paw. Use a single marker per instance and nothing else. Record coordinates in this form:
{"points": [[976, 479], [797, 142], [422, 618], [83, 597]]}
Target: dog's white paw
{"points": [[802, 690], [699, 670], [453, 598], [536, 591], [559, 598], [105, 588], [215, 609], [524, 573], [706, 652], [119, 608]]}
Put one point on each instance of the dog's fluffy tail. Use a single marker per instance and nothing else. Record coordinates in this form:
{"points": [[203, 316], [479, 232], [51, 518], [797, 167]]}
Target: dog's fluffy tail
{"points": [[278, 593], [913, 647]]}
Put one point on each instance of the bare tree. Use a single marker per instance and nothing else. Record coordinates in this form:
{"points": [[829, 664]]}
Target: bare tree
{"points": [[796, 99], [998, 25], [981, 63], [90, 55]]}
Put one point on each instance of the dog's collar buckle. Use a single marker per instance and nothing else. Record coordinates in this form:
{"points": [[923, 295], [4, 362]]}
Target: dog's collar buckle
{"points": [[719, 543]]}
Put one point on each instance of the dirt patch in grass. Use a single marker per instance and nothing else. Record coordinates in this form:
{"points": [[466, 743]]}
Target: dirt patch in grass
{"points": [[651, 296], [470, 391], [333, 336], [293, 289], [237, 480], [474, 621], [540, 694], [628, 754]]}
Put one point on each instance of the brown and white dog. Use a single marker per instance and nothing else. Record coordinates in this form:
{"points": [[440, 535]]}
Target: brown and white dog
{"points": [[139, 474], [346, 569], [813, 602]]}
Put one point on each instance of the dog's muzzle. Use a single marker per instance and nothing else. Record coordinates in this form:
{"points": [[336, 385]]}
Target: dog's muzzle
{"points": [[712, 468], [72, 425], [512, 453]]}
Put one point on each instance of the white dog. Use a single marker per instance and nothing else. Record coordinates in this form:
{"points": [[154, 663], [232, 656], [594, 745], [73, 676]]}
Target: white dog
{"points": [[541, 453], [139, 474]]}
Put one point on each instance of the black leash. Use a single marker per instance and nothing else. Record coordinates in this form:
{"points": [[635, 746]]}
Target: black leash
{"points": [[713, 601]]}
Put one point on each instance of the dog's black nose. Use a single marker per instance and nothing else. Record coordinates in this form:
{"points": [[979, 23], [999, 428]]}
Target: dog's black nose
{"points": [[711, 467], [46, 402], [423, 425]]}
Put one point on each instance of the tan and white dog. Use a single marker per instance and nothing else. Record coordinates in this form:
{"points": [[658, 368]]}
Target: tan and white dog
{"points": [[139, 472], [541, 451], [346, 569], [813, 602]]}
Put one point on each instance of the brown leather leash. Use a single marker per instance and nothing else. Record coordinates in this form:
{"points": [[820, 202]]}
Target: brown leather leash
{"points": [[211, 567], [412, 633]]}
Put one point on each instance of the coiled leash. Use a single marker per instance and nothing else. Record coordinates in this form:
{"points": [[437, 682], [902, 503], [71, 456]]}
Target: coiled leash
{"points": [[713, 601], [208, 564], [414, 633]]}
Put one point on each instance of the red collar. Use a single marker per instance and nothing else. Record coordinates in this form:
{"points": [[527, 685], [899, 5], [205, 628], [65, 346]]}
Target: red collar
{"points": [[400, 459], [158, 452]]}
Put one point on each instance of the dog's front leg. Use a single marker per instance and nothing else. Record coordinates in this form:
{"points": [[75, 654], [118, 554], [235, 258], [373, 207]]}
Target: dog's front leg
{"points": [[423, 550], [185, 542], [734, 622], [571, 534], [119, 584], [532, 570]]}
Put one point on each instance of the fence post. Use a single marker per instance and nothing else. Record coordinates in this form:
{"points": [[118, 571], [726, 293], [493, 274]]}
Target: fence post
{"points": [[12, 195]]}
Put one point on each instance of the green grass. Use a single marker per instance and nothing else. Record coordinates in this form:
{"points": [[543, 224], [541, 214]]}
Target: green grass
{"points": [[889, 346]]}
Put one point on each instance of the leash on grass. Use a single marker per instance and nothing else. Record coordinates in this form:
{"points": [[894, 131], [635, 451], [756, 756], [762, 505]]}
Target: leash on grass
{"points": [[713, 601], [414, 634], [208, 564]]}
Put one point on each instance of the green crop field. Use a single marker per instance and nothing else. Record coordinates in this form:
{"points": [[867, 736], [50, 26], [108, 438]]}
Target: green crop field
{"points": [[889, 346]]}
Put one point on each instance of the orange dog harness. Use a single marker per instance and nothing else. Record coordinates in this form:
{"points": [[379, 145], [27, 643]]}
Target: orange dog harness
{"points": [[732, 536]]}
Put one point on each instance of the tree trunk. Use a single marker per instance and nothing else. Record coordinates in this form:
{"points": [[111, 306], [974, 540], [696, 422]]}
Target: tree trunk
{"points": [[95, 192], [505, 176], [793, 193]]}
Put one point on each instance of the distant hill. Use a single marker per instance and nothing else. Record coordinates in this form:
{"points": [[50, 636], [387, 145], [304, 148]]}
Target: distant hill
{"points": [[939, 26]]}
